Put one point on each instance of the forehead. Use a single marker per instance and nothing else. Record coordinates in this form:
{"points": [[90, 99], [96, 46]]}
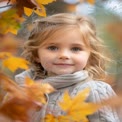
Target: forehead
{"points": [[64, 35]]}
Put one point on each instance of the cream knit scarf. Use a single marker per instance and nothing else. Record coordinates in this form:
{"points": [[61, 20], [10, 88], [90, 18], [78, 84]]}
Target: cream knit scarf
{"points": [[62, 81]]}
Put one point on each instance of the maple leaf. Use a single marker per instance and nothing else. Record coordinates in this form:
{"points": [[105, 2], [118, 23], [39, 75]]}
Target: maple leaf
{"points": [[36, 5], [39, 88], [13, 63], [77, 109], [40, 11]]}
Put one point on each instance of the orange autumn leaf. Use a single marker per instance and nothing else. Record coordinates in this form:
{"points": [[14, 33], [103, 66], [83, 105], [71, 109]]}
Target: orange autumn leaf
{"points": [[17, 109], [19, 101], [41, 89], [91, 1], [10, 86], [13, 1], [16, 104], [52, 118], [13, 63]]}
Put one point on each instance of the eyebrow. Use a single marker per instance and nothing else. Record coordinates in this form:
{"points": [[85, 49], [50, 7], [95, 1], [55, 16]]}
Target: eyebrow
{"points": [[77, 44]]}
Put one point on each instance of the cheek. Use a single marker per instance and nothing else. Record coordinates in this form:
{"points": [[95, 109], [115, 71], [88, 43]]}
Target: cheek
{"points": [[83, 59], [45, 62]]}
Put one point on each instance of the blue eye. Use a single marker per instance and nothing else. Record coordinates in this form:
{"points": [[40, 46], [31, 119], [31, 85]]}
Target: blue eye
{"points": [[76, 49], [53, 48]]}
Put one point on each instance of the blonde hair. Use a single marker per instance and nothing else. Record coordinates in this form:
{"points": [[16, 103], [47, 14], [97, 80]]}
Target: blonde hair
{"points": [[45, 28]]}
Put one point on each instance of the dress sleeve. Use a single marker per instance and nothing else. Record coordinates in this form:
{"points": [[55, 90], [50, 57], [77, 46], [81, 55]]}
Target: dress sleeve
{"points": [[99, 92]]}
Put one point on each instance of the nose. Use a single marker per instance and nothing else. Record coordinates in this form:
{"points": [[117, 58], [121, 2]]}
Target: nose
{"points": [[64, 54]]}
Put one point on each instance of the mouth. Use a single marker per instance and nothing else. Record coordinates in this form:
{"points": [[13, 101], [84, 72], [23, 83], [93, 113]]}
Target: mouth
{"points": [[63, 64]]}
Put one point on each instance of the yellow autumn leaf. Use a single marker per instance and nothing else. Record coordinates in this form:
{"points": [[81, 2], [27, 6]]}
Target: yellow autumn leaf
{"points": [[12, 30], [29, 81], [13, 63], [81, 96], [77, 109], [40, 11], [28, 11], [63, 104], [10, 21], [50, 118], [4, 55], [44, 2]]}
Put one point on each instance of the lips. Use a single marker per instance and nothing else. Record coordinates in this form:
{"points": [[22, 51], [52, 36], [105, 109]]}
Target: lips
{"points": [[63, 64]]}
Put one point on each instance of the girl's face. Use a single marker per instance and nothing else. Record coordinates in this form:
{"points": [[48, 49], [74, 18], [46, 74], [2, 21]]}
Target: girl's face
{"points": [[63, 54]]}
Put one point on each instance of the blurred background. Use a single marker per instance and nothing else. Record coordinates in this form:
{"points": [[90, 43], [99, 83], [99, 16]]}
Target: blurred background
{"points": [[108, 19]]}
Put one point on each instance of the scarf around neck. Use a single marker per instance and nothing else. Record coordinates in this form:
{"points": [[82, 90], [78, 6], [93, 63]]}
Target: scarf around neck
{"points": [[62, 81]]}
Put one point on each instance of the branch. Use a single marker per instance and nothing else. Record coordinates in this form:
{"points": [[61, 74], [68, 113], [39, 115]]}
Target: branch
{"points": [[6, 6]]}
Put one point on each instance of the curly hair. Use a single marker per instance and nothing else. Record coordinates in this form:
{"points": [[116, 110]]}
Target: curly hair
{"points": [[45, 28]]}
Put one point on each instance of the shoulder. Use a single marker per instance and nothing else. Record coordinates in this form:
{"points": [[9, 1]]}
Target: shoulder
{"points": [[100, 90], [20, 78]]}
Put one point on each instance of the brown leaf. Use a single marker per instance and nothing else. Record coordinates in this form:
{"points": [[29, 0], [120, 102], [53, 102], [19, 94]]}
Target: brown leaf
{"points": [[23, 3], [20, 102], [17, 104], [18, 109]]}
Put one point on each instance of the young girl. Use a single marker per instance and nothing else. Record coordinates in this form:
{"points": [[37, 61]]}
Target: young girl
{"points": [[66, 52]]}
